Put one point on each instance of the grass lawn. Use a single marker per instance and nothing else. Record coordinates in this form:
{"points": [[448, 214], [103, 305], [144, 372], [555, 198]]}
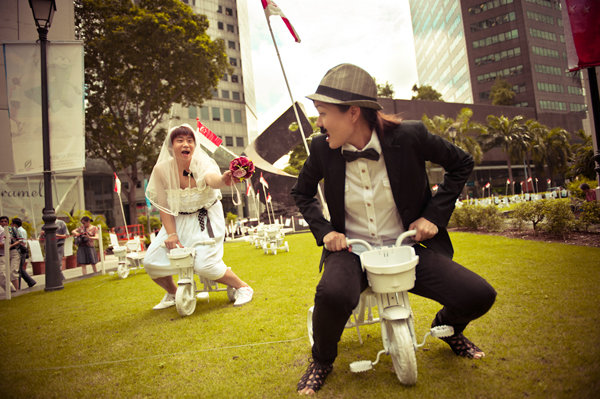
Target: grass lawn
{"points": [[99, 337]]}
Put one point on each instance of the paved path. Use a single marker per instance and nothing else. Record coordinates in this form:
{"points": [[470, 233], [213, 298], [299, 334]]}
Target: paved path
{"points": [[110, 266]]}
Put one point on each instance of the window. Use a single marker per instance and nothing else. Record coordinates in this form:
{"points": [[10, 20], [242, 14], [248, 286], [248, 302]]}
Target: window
{"points": [[235, 95], [225, 93], [239, 141], [542, 34], [491, 22], [226, 115], [215, 93], [233, 61], [204, 113], [545, 52], [577, 107], [220, 10], [550, 87], [546, 3], [486, 77], [192, 113], [553, 105], [230, 28], [237, 116], [234, 78], [540, 17], [216, 114], [220, 25], [501, 37], [488, 5], [231, 44], [548, 69], [228, 11], [575, 90], [229, 141], [495, 57]]}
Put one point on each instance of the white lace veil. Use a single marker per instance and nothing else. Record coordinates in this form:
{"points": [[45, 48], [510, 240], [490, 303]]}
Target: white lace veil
{"points": [[164, 189]]}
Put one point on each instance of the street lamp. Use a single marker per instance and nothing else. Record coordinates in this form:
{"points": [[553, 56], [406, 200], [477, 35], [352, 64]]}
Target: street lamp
{"points": [[43, 10], [452, 133]]}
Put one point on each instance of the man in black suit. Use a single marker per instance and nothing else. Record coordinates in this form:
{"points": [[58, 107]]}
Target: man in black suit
{"points": [[376, 187]]}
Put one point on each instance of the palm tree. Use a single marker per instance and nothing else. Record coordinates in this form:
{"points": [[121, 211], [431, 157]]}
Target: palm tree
{"points": [[509, 134], [550, 149], [460, 131]]}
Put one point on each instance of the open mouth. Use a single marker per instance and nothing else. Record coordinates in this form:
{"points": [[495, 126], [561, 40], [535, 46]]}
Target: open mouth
{"points": [[185, 152]]}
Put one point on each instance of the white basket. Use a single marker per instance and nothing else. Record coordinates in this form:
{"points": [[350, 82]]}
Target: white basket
{"points": [[390, 269]]}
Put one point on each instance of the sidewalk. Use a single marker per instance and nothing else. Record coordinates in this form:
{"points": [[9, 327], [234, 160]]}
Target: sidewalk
{"points": [[75, 274]]}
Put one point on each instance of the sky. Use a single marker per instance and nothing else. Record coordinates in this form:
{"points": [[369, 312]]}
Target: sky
{"points": [[377, 36]]}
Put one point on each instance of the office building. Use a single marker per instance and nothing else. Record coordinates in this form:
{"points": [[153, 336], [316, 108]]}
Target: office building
{"points": [[462, 47]]}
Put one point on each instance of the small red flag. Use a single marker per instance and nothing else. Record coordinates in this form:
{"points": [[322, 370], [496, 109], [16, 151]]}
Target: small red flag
{"points": [[263, 181], [207, 138], [271, 8]]}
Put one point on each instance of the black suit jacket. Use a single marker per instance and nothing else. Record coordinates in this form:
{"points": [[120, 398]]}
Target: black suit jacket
{"points": [[405, 150]]}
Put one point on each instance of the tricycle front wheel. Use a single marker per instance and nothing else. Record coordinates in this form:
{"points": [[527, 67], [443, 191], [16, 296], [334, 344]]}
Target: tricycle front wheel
{"points": [[402, 350]]}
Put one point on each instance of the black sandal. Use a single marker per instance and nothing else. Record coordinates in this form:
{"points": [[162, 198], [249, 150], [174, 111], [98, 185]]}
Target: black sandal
{"points": [[461, 346], [315, 375]]}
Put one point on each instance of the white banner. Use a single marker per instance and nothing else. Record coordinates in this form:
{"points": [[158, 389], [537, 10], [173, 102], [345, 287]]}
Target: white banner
{"points": [[65, 106]]}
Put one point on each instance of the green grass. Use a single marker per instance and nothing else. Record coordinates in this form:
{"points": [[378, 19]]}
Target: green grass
{"points": [[99, 337]]}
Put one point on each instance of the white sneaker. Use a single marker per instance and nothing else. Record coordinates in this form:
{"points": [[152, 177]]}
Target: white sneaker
{"points": [[243, 295], [167, 302]]}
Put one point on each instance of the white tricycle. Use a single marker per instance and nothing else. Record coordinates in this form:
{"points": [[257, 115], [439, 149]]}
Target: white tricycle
{"points": [[391, 273], [182, 259]]}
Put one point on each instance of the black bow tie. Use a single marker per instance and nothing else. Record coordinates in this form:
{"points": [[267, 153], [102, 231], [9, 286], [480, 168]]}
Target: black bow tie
{"points": [[186, 173], [350, 156]]}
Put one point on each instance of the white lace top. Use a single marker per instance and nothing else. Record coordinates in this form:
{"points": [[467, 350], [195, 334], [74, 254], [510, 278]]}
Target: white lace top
{"points": [[192, 199]]}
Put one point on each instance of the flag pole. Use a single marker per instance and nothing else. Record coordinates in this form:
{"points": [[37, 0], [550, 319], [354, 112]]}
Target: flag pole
{"points": [[323, 203], [266, 203]]}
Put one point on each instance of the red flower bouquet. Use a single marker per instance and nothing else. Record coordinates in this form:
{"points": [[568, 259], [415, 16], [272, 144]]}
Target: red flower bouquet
{"points": [[241, 168]]}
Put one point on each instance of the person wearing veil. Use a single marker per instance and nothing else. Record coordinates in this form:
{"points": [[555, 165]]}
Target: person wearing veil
{"points": [[184, 186]]}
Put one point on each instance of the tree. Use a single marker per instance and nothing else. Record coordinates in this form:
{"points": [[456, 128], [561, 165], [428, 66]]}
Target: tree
{"points": [[550, 148], [460, 131], [426, 92], [502, 93], [582, 159], [140, 59], [509, 134], [298, 154], [385, 90]]}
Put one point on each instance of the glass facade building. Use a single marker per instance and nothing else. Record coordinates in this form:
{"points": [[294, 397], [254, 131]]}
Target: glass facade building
{"points": [[440, 48], [521, 41]]}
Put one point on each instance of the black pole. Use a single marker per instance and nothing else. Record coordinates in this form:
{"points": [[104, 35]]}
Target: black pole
{"points": [[595, 98], [53, 275]]}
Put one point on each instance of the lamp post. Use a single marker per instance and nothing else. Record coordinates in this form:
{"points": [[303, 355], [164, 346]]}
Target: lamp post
{"points": [[452, 134], [43, 10]]}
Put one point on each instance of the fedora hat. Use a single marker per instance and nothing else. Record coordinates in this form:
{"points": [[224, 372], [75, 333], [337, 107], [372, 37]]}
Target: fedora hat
{"points": [[347, 84]]}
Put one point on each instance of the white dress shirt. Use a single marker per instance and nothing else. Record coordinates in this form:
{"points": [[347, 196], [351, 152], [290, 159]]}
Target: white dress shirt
{"points": [[371, 212]]}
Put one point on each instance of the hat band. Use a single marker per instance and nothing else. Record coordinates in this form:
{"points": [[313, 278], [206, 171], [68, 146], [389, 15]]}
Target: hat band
{"points": [[342, 95]]}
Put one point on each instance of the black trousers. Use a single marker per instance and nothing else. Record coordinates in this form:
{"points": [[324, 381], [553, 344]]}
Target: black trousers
{"points": [[23, 273], [464, 295]]}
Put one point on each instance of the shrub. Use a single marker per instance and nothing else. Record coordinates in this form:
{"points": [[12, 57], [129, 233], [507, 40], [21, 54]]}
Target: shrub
{"points": [[531, 211], [476, 216], [574, 189], [590, 214], [559, 217]]}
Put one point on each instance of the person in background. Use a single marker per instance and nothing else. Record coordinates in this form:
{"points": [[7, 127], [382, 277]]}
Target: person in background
{"points": [[21, 235], [85, 235], [590, 195], [62, 232], [14, 271]]}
